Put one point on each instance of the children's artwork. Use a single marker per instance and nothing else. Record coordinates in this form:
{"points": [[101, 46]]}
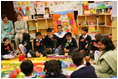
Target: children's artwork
{"points": [[59, 22], [98, 1], [65, 22], [108, 4], [92, 6], [87, 12], [91, 28], [101, 5], [27, 7], [46, 15], [85, 3], [80, 12], [69, 29], [20, 8], [70, 22], [19, 3], [26, 18], [40, 11], [27, 12], [91, 22], [54, 6], [32, 11], [85, 7], [93, 11]]}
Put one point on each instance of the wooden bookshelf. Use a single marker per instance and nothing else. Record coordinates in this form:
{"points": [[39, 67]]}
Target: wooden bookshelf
{"points": [[41, 24], [101, 22]]}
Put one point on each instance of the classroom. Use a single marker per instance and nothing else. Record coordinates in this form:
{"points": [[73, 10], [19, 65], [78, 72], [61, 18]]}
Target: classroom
{"points": [[59, 39]]}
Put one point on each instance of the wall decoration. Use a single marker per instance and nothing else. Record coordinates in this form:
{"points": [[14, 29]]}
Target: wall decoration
{"points": [[101, 5], [93, 11], [55, 6], [91, 28], [67, 21], [87, 12], [85, 6], [108, 4]]}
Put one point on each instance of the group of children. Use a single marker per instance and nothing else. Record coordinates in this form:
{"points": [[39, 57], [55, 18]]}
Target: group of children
{"points": [[53, 68], [61, 43]]}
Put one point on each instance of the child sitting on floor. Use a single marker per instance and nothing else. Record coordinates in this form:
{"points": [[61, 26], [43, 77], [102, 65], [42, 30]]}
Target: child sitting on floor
{"points": [[83, 71], [26, 44], [69, 44], [38, 44], [6, 49], [84, 39], [27, 68], [93, 46], [53, 69], [50, 42]]}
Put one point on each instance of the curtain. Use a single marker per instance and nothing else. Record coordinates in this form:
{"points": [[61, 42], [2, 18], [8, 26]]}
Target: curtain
{"points": [[74, 29], [55, 18]]}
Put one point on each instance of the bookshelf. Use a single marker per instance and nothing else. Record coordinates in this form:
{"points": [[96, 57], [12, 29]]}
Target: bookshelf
{"points": [[102, 22], [39, 25]]}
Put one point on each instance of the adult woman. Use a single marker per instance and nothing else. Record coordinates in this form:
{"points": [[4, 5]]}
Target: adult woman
{"points": [[106, 64], [20, 28], [7, 28]]}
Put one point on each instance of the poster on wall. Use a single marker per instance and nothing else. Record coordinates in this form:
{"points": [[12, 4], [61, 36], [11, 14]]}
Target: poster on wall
{"points": [[100, 5], [39, 6], [65, 22]]}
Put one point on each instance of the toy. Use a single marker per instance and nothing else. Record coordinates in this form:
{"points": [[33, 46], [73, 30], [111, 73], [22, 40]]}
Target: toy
{"points": [[18, 70], [91, 22], [27, 7], [91, 27], [109, 24], [21, 75], [12, 76], [93, 11], [15, 72], [85, 6], [21, 57], [20, 8]]}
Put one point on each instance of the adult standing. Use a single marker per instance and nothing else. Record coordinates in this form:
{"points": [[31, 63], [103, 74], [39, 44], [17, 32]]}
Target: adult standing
{"points": [[7, 28], [20, 28]]}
